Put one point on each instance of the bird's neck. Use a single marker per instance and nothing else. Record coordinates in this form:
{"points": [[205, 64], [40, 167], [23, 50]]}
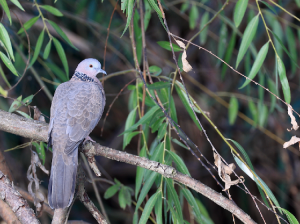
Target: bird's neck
{"points": [[78, 76]]}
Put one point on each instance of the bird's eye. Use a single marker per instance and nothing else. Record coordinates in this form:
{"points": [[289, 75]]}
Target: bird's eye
{"points": [[91, 66]]}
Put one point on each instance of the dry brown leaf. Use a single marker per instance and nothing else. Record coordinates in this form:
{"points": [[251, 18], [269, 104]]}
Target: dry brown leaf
{"points": [[224, 172], [180, 43], [293, 119], [293, 140], [185, 64], [38, 115]]}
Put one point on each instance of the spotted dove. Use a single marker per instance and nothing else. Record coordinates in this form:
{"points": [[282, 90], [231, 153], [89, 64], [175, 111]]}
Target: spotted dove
{"points": [[76, 108]]}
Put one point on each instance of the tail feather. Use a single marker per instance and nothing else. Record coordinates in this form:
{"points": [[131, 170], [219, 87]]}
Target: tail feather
{"points": [[62, 180]]}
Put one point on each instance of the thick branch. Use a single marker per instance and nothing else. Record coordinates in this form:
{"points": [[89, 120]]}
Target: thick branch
{"points": [[16, 202], [37, 130]]}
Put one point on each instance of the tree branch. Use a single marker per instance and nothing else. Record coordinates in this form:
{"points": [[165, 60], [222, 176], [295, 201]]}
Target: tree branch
{"points": [[38, 130]]}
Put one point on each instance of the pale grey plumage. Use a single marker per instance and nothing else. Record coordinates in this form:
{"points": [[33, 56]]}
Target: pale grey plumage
{"points": [[76, 108]]}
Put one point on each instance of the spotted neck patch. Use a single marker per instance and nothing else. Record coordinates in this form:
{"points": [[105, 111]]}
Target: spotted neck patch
{"points": [[82, 77]]}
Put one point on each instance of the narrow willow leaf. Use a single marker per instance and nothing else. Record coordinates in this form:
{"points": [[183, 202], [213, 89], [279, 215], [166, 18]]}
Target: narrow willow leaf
{"points": [[158, 209], [228, 54], [28, 100], [15, 105], [52, 10], [155, 7], [129, 122], [292, 219], [17, 3], [180, 165], [143, 120], [47, 49], [4, 37], [222, 41], [6, 9], [193, 17], [128, 5], [138, 36], [173, 110], [179, 143], [148, 207], [61, 33], [192, 201], [166, 45], [185, 6], [122, 200], [155, 70], [139, 173], [23, 114], [57, 71], [41, 152], [28, 24], [147, 15], [233, 110], [283, 80], [279, 33], [8, 63], [254, 112], [37, 48], [111, 191], [62, 55], [186, 104], [148, 184], [203, 34], [291, 40], [263, 114], [162, 131], [174, 197], [159, 85], [248, 36], [239, 11], [260, 58], [269, 6]]}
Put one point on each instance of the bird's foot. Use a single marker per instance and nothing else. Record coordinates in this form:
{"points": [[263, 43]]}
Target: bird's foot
{"points": [[88, 138]]}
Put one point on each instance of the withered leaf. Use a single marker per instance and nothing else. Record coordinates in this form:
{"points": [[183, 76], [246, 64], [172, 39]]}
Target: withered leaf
{"points": [[293, 140], [185, 64], [293, 119], [180, 43]]}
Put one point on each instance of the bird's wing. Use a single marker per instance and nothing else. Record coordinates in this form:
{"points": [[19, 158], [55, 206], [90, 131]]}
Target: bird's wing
{"points": [[85, 106]]}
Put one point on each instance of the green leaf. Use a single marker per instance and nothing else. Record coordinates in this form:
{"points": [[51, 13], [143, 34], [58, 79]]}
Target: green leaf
{"points": [[47, 49], [283, 80], [180, 165], [15, 105], [254, 112], [51, 9], [185, 6], [155, 7], [41, 152], [205, 216], [128, 5], [61, 33], [260, 58], [37, 48], [159, 85], [269, 6], [6, 9], [148, 184], [148, 207], [166, 45], [147, 15], [193, 17], [143, 120], [179, 143], [158, 209], [57, 71], [4, 37], [180, 62], [17, 3], [292, 219], [298, 3], [263, 114], [8, 63], [239, 11], [173, 110], [248, 36], [139, 173], [28, 100], [186, 104], [162, 131], [291, 40], [174, 198], [62, 55], [28, 24], [277, 30], [155, 70], [233, 110], [122, 199], [222, 41], [203, 34], [111, 191], [127, 195], [24, 114], [129, 122], [192, 201], [228, 54]]}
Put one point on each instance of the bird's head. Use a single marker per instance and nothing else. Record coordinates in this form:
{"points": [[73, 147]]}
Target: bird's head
{"points": [[90, 67]]}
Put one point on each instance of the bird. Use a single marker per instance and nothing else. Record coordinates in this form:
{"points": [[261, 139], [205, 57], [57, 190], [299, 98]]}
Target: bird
{"points": [[76, 109]]}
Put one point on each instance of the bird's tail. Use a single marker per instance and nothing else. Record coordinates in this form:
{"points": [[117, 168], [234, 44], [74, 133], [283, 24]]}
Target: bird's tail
{"points": [[62, 182]]}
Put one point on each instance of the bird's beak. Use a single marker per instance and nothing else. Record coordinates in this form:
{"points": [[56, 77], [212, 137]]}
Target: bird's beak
{"points": [[101, 71]]}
